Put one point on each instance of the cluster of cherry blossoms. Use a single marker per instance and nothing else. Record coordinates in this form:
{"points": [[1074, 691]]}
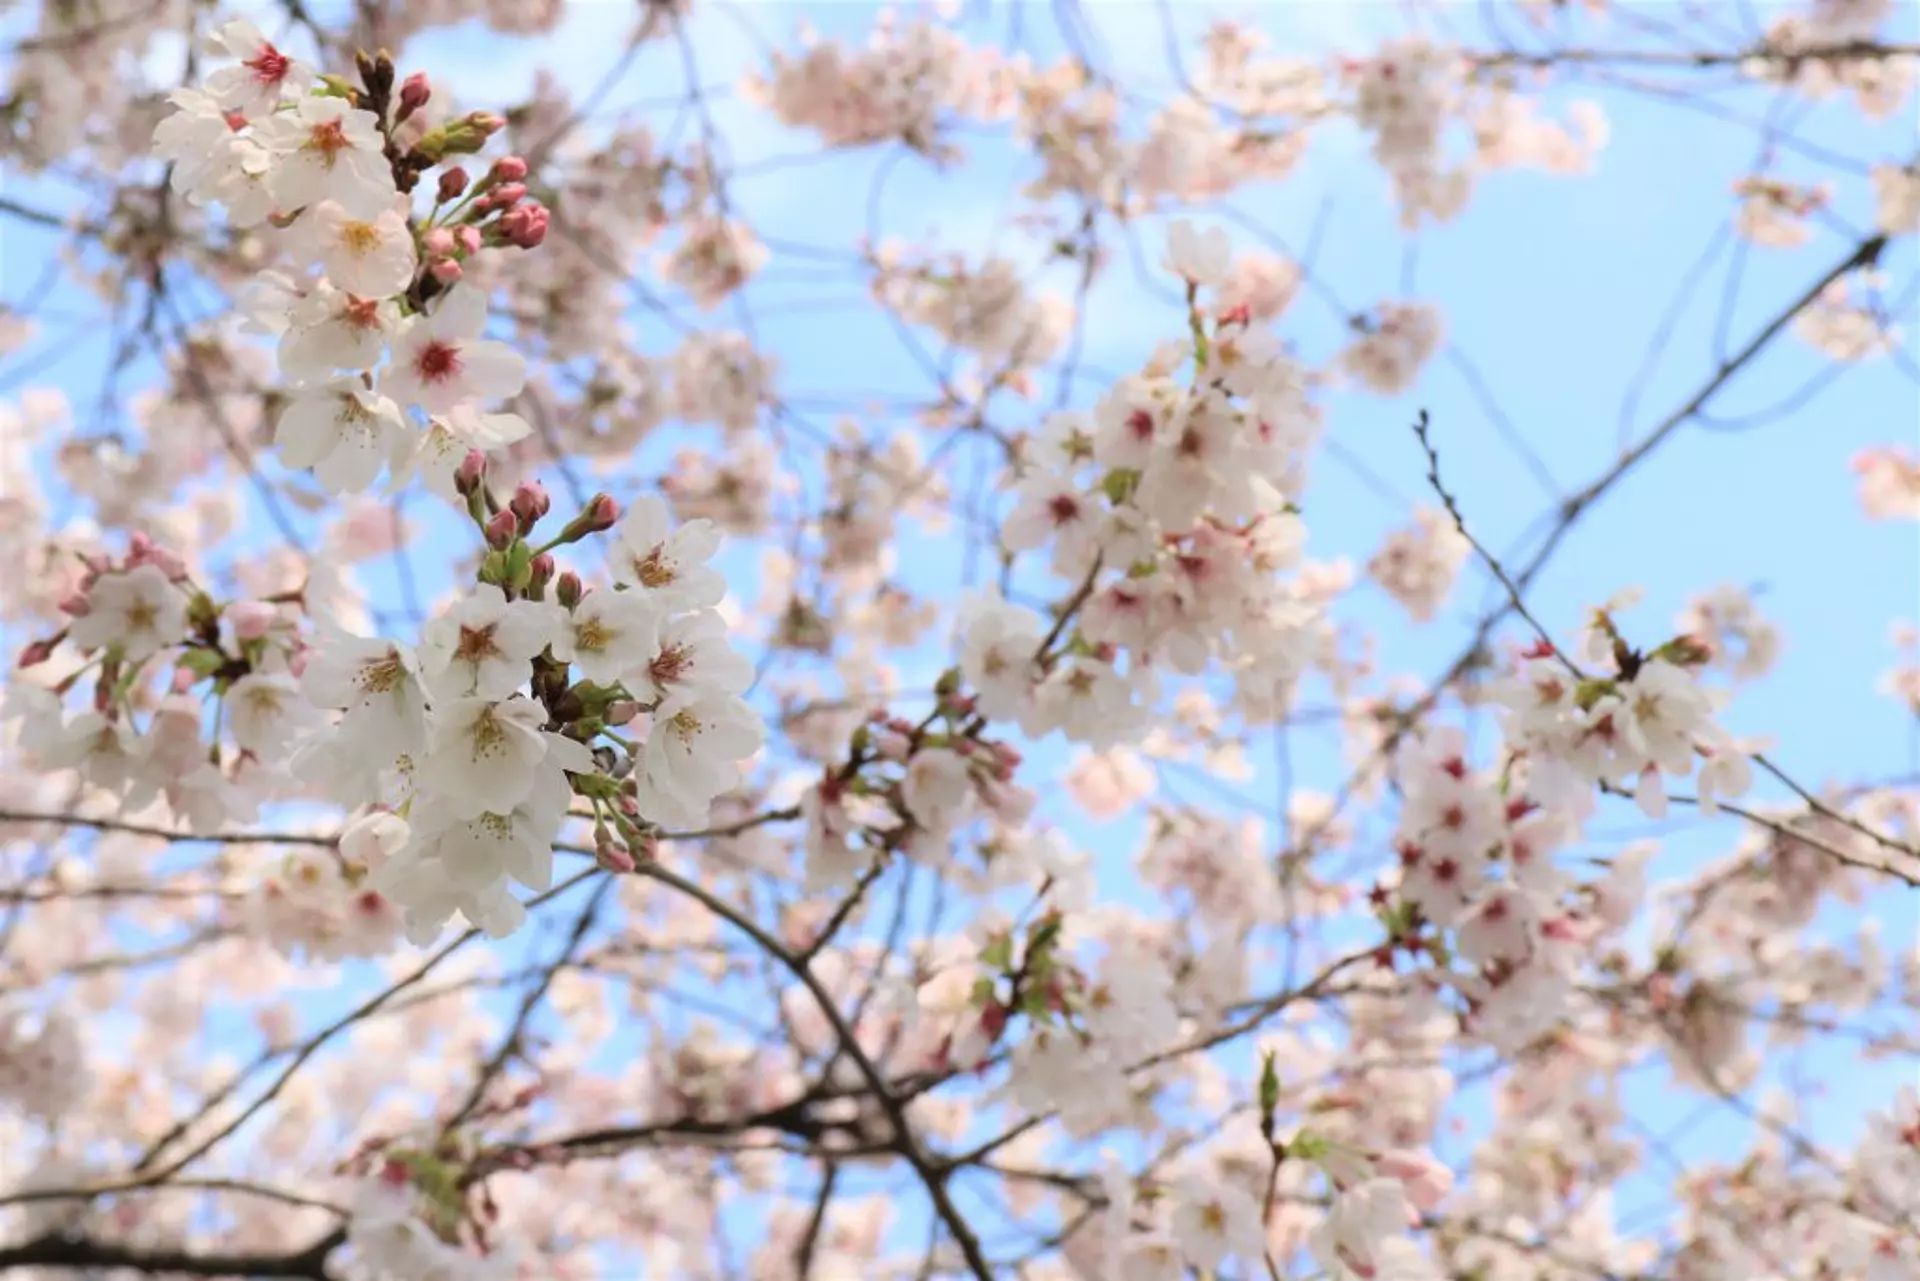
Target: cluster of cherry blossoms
{"points": [[482, 735], [474, 743], [582, 676], [334, 168], [1172, 505]]}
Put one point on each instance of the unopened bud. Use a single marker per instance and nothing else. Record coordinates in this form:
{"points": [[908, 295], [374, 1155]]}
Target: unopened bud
{"points": [[75, 606], [614, 857], [39, 651], [620, 711], [509, 169], [469, 238], [471, 472], [529, 504], [414, 92], [438, 243], [539, 573], [600, 513], [508, 194], [525, 226], [568, 590], [452, 183], [501, 528], [446, 271], [486, 122]]}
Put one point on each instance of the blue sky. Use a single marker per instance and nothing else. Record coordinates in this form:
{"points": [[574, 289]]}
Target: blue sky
{"points": [[1551, 288]]}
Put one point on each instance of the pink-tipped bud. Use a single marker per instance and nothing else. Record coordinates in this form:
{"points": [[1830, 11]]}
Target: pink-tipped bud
{"points": [[486, 122], [509, 169], [601, 513], [501, 528], [75, 606], [541, 570], [39, 651], [469, 238], [508, 194], [184, 679], [414, 92], [472, 471], [620, 711], [446, 271], [530, 226], [567, 589], [438, 243], [529, 503], [452, 183], [614, 857], [483, 205]]}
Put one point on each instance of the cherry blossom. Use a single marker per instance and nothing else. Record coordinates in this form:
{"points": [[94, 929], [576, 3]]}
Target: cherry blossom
{"points": [[623, 674]]}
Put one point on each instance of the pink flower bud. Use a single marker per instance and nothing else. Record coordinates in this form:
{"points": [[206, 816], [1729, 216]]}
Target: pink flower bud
{"points": [[530, 503], [446, 271], [472, 470], [530, 226], [39, 651], [438, 243], [620, 711], [183, 679], [601, 513], [567, 589], [508, 194], [75, 606], [614, 857], [414, 92], [483, 205], [469, 238], [486, 122], [509, 169], [452, 183], [501, 528], [542, 570]]}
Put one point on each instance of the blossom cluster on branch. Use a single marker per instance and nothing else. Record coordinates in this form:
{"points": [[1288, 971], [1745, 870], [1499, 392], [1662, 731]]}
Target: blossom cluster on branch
{"points": [[419, 864]]}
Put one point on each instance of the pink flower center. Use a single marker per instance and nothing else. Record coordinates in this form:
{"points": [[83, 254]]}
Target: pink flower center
{"points": [[437, 362], [329, 139], [269, 66]]}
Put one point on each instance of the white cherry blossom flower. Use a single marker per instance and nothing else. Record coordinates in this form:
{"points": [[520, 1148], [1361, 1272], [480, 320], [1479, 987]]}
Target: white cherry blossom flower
{"points": [[482, 647], [371, 258], [264, 75], [344, 432], [669, 565], [607, 635], [692, 755], [324, 149], [482, 754], [441, 362], [138, 611]]}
